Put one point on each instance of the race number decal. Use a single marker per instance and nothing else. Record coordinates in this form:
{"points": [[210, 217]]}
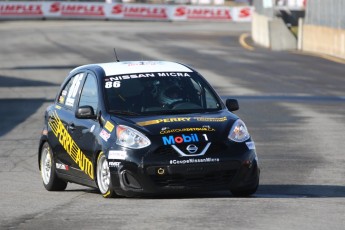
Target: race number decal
{"points": [[115, 84]]}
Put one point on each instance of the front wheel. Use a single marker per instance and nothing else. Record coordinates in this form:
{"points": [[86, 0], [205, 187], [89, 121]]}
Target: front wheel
{"points": [[103, 177], [50, 180]]}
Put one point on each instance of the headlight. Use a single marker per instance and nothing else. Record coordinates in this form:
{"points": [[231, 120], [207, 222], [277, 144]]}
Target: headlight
{"points": [[239, 132], [131, 138]]}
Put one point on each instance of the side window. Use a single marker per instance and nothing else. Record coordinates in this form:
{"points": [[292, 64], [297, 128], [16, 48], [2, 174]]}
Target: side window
{"points": [[70, 91], [89, 94], [211, 103]]}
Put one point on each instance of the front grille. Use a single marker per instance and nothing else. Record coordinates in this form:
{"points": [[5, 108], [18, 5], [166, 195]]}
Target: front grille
{"points": [[165, 151], [217, 147], [219, 178]]}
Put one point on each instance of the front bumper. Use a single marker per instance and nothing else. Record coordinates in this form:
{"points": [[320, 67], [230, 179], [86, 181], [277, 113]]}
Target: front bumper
{"points": [[164, 175]]}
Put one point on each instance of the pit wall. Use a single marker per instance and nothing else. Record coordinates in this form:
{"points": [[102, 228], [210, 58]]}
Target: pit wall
{"points": [[117, 11], [324, 40]]}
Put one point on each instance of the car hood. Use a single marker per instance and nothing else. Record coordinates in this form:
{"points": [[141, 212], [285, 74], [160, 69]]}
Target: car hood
{"points": [[215, 123]]}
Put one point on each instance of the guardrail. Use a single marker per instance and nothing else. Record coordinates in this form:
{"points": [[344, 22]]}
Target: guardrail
{"points": [[117, 11]]}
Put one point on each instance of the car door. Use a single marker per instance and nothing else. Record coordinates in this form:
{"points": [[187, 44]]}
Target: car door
{"points": [[83, 131], [60, 117]]}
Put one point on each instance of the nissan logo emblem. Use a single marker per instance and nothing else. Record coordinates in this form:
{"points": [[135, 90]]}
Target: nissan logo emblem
{"points": [[192, 149]]}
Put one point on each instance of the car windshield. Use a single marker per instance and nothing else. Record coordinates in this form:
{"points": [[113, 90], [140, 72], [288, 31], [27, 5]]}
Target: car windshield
{"points": [[159, 93]]}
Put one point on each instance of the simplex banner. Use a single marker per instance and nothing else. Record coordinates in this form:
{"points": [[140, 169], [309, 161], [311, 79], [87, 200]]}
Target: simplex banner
{"points": [[118, 11]]}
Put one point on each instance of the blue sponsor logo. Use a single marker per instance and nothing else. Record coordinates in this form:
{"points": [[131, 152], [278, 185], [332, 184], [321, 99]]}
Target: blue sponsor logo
{"points": [[172, 140]]}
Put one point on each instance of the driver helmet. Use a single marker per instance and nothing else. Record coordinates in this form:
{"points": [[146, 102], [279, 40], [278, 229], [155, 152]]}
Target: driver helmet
{"points": [[170, 95]]}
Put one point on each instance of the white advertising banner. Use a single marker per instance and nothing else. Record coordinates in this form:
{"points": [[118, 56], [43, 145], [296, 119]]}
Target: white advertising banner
{"points": [[138, 12], [242, 14], [76, 10], [21, 10], [118, 11], [205, 13]]}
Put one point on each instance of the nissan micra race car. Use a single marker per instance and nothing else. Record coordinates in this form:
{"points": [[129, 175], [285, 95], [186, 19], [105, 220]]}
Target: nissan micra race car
{"points": [[144, 128]]}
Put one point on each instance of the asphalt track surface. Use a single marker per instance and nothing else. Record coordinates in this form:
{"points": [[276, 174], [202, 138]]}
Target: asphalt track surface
{"points": [[294, 106]]}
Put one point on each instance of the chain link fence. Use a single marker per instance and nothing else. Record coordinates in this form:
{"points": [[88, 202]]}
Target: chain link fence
{"points": [[329, 13]]}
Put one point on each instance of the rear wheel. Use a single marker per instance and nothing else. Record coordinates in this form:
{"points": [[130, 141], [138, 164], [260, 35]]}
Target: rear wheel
{"points": [[50, 180], [103, 177]]}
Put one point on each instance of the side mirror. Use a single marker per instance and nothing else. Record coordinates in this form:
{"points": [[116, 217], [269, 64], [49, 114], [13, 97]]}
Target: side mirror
{"points": [[232, 105], [85, 112]]}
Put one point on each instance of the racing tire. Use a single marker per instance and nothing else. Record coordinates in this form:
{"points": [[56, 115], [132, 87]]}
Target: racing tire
{"points": [[103, 177], [48, 170], [244, 192]]}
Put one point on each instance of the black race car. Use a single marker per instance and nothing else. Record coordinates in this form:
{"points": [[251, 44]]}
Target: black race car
{"points": [[144, 128]]}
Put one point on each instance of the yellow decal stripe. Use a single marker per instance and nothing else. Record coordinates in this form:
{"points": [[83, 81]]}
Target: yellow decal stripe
{"points": [[152, 122], [109, 126], [182, 119], [107, 194]]}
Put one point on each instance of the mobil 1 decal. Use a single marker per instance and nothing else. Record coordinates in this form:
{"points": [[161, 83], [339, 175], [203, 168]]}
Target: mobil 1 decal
{"points": [[115, 81], [184, 138]]}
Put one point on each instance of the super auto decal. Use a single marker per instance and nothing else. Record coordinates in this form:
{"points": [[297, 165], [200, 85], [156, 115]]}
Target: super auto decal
{"points": [[70, 146], [115, 81]]}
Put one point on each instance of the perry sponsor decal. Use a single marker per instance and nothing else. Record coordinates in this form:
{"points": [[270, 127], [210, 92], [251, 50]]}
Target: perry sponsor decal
{"points": [[166, 120], [117, 155], [109, 126], [184, 138], [77, 9], [194, 160], [182, 119], [104, 135], [21, 9], [182, 130], [70, 146]]}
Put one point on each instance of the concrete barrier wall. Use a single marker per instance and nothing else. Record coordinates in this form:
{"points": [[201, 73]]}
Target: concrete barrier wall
{"points": [[325, 40], [260, 30], [281, 37], [272, 33]]}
